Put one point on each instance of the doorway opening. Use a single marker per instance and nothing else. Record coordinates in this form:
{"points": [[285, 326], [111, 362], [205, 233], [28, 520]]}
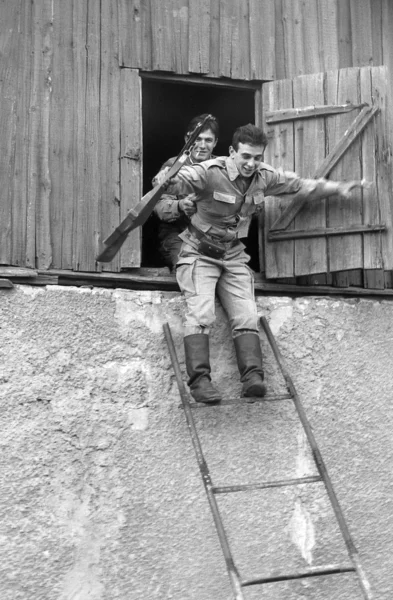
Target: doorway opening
{"points": [[167, 108]]}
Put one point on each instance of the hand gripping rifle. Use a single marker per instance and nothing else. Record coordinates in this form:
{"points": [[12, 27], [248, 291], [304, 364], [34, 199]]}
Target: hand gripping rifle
{"points": [[138, 215]]}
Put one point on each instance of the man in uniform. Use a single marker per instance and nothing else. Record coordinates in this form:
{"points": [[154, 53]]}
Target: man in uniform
{"points": [[212, 259], [175, 211]]}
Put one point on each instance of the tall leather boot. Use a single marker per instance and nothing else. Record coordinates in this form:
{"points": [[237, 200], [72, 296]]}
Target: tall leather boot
{"points": [[249, 360], [196, 348]]}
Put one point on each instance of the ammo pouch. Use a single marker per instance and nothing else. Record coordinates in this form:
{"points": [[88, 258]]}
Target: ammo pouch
{"points": [[211, 249]]}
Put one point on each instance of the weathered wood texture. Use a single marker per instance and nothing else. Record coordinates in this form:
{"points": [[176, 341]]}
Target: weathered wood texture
{"points": [[312, 140], [250, 39], [69, 112], [60, 124]]}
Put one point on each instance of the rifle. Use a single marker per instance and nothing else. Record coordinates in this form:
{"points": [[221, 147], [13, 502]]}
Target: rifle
{"points": [[138, 215]]}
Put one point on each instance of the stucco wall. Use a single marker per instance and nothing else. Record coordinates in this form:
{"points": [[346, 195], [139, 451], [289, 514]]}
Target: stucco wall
{"points": [[101, 497]]}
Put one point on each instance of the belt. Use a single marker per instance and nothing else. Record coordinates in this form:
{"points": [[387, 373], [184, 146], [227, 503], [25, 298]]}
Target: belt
{"points": [[200, 235]]}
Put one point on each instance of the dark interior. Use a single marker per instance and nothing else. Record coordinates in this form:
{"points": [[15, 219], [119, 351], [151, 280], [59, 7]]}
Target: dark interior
{"points": [[167, 109]]}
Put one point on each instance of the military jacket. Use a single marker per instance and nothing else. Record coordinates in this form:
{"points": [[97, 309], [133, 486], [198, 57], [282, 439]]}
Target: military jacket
{"points": [[223, 210]]}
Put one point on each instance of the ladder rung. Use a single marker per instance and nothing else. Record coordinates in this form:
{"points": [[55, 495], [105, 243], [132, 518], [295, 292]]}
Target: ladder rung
{"points": [[265, 484], [312, 572], [240, 401]]}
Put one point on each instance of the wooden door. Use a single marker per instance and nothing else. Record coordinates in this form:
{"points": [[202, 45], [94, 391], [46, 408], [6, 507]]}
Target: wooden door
{"points": [[130, 160], [336, 125]]}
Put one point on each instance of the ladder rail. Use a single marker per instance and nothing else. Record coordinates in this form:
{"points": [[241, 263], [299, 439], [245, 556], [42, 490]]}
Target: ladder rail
{"points": [[234, 576], [352, 551], [236, 582]]}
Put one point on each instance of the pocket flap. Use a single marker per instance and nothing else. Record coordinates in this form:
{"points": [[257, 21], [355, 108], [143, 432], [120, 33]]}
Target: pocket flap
{"points": [[228, 198]]}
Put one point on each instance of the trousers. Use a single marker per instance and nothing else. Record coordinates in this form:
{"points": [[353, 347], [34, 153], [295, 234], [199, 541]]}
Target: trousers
{"points": [[202, 278]]}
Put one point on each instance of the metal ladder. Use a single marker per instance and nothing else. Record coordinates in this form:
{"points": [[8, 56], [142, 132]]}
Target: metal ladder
{"points": [[237, 583]]}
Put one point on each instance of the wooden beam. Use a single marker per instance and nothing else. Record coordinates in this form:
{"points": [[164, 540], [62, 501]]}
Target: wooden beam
{"points": [[17, 272], [292, 114], [324, 231], [6, 283], [350, 135]]}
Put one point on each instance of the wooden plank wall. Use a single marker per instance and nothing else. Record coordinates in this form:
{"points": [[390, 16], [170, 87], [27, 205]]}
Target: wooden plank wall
{"points": [[60, 124], [61, 92], [355, 259], [251, 39]]}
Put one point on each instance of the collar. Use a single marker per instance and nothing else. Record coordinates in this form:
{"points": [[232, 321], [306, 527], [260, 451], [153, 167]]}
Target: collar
{"points": [[233, 172]]}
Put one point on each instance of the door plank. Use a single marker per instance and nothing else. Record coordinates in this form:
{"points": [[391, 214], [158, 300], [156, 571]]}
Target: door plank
{"points": [[130, 159], [380, 79], [372, 245], [279, 256], [310, 254], [109, 153], [345, 252]]}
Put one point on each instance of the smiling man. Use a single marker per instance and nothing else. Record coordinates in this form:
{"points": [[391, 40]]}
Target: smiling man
{"points": [[174, 211], [213, 260]]}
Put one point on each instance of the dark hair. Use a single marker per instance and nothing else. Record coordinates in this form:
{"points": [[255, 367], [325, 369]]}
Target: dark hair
{"points": [[249, 134], [210, 124]]}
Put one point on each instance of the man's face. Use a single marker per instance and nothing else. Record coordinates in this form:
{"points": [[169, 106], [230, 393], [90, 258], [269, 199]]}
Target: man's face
{"points": [[203, 146], [247, 158]]}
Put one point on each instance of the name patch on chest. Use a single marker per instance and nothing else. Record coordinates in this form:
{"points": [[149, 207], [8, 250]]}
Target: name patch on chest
{"points": [[221, 197]]}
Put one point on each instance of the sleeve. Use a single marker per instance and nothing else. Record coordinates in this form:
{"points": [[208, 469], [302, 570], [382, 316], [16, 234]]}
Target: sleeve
{"points": [[167, 208], [190, 179], [285, 182]]}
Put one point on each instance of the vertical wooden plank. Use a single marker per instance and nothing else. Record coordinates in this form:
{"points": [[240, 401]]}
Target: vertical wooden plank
{"points": [[214, 38], [262, 39], [9, 51], [293, 38], [109, 152], [199, 38], [385, 146], [279, 47], [87, 71], [180, 35], [279, 256], [61, 159], [80, 10], [376, 31], [19, 182], [310, 254], [362, 47], [162, 35], [234, 39], [225, 40], [240, 39], [344, 34], [131, 159], [383, 154], [130, 33], [135, 34], [328, 35], [372, 243], [39, 250], [310, 37], [345, 252]]}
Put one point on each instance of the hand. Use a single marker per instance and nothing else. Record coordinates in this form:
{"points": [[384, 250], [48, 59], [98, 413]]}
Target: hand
{"points": [[345, 188], [187, 205]]}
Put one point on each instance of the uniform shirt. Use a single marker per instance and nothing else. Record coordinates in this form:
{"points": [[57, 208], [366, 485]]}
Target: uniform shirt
{"points": [[224, 202], [167, 208]]}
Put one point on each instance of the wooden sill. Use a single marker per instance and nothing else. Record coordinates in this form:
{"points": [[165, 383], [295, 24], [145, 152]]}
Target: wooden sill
{"points": [[163, 280]]}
